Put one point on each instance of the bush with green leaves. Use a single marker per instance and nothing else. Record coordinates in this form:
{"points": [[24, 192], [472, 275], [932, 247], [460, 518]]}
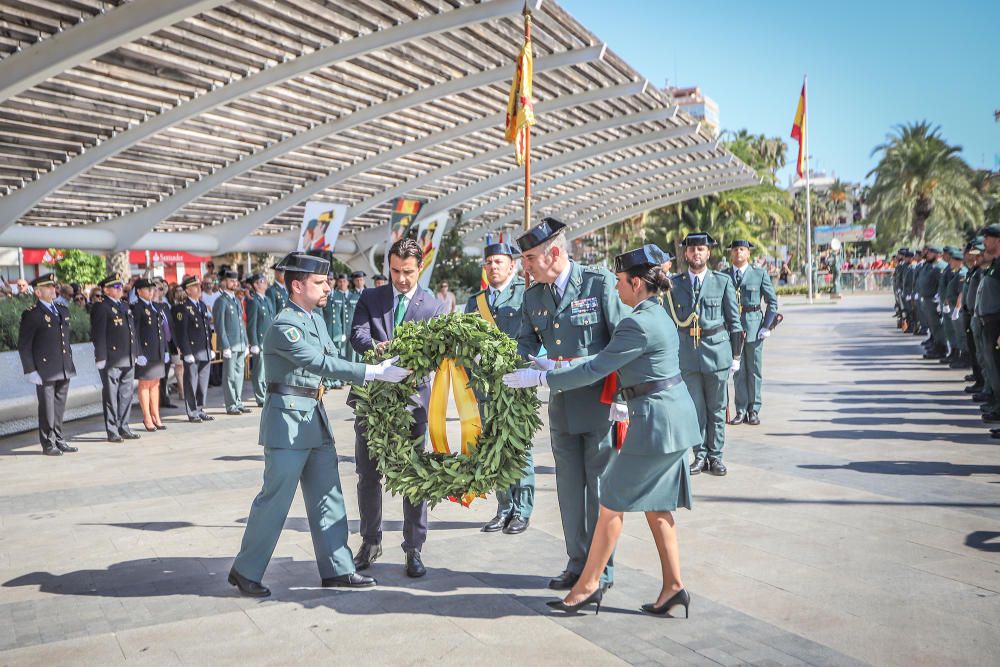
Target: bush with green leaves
{"points": [[10, 322]]}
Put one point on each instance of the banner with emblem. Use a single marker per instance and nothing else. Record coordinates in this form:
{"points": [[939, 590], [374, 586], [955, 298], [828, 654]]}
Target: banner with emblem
{"points": [[321, 225], [404, 214], [429, 233]]}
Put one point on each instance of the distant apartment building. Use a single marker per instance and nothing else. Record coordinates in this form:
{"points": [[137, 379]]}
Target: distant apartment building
{"points": [[696, 105]]}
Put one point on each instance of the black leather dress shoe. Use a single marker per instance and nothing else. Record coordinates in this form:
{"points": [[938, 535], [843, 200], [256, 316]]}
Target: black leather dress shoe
{"points": [[516, 525], [414, 566], [992, 417], [716, 467], [738, 418], [252, 589], [129, 435], [753, 419], [564, 581], [235, 411], [352, 580], [66, 447], [51, 451], [245, 410], [195, 420], [974, 389], [698, 465], [970, 377], [115, 438], [496, 524], [205, 417], [367, 554]]}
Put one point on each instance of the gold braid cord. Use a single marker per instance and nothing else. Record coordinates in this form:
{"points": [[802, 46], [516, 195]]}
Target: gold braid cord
{"points": [[691, 321]]}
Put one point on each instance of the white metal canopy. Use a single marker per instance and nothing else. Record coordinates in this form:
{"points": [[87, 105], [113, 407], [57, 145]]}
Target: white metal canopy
{"points": [[206, 125]]}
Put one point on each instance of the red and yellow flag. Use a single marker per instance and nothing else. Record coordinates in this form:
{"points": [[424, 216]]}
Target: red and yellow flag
{"points": [[520, 108], [799, 132]]}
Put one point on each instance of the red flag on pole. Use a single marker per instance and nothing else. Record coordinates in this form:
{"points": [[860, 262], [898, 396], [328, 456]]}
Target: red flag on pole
{"points": [[799, 132]]}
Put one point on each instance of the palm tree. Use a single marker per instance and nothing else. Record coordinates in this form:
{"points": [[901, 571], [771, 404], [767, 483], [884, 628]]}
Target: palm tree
{"points": [[920, 180]]}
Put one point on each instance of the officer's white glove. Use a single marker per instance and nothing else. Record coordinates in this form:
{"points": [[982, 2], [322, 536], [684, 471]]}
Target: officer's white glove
{"points": [[619, 412], [763, 333], [227, 354], [255, 349], [936, 299], [166, 358], [141, 361], [955, 314], [734, 369], [946, 309], [525, 378], [386, 372], [542, 363], [343, 338], [34, 378], [101, 365], [188, 358]]}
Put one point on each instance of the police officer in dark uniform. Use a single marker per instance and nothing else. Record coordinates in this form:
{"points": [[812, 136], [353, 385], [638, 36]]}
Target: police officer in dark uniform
{"points": [[47, 359], [193, 337], [112, 329]]}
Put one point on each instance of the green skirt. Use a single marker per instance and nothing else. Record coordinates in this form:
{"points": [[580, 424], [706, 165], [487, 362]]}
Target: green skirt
{"points": [[647, 483]]}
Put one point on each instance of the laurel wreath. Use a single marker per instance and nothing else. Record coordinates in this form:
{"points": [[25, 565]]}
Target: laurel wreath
{"points": [[509, 416]]}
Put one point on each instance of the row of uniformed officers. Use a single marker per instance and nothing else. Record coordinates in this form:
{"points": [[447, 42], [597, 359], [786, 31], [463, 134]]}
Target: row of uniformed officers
{"points": [[632, 346], [952, 296]]}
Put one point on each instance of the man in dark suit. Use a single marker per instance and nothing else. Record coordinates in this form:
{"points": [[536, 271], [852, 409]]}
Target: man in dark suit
{"points": [[379, 311], [47, 359], [193, 337], [112, 329]]}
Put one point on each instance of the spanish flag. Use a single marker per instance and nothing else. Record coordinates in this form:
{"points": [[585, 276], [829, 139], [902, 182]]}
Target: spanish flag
{"points": [[799, 132], [520, 108]]}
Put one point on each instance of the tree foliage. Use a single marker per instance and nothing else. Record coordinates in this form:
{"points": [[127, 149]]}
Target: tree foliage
{"points": [[77, 266]]}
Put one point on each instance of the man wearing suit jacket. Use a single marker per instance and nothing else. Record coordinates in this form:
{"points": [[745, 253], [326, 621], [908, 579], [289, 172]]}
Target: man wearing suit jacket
{"points": [[112, 329], [703, 304], [500, 304], [379, 311], [47, 359]]}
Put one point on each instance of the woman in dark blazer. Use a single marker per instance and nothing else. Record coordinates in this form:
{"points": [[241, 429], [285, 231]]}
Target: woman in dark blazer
{"points": [[150, 364], [650, 474]]}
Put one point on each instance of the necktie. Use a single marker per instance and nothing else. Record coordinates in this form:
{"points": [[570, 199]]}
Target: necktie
{"points": [[493, 298], [400, 311], [697, 290], [739, 277], [555, 293]]}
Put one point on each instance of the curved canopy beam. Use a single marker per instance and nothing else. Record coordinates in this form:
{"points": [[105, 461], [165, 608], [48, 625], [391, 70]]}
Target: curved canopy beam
{"points": [[132, 226], [94, 37], [19, 202]]}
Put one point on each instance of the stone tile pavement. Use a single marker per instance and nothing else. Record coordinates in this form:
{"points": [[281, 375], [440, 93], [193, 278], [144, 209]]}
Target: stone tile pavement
{"points": [[859, 524]]}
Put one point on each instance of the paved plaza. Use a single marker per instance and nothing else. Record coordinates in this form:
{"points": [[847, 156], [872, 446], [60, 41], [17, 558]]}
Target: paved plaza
{"points": [[859, 524]]}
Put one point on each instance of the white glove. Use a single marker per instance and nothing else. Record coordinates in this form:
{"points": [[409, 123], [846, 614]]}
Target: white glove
{"points": [[763, 333], [343, 338], [227, 354], [255, 349], [214, 354], [34, 378], [936, 299], [734, 368], [955, 314], [386, 372], [619, 412], [166, 358], [946, 309], [188, 358], [101, 365], [525, 378], [141, 361], [542, 363]]}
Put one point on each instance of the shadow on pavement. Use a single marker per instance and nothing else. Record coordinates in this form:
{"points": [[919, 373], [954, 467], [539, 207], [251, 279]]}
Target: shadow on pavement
{"points": [[909, 468], [984, 541]]}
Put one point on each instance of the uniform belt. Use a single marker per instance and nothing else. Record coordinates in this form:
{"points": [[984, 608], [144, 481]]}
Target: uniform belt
{"points": [[643, 388], [292, 390], [711, 331], [749, 309]]}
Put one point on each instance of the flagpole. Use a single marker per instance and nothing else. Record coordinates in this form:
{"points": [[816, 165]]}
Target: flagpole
{"points": [[805, 150], [527, 134]]}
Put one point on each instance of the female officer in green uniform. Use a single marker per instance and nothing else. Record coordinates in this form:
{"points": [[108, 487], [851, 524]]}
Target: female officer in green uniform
{"points": [[650, 474]]}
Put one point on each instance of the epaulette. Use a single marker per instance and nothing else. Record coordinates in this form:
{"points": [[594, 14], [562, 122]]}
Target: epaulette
{"points": [[533, 286]]}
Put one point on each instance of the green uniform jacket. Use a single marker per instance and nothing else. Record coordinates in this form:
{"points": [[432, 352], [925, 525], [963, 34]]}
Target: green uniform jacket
{"points": [[717, 310], [278, 295], [335, 315], [754, 291], [970, 289], [507, 307], [260, 314], [643, 348], [929, 278], [988, 297], [227, 316], [298, 351], [954, 286], [909, 281], [580, 325]]}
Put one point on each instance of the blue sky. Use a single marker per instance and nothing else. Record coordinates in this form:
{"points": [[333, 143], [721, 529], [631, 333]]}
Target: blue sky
{"points": [[871, 65]]}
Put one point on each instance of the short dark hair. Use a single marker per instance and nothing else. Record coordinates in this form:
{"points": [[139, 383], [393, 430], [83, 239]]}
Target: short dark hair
{"points": [[291, 276], [405, 248]]}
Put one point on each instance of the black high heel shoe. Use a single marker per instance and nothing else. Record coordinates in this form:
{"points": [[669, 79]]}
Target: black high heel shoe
{"points": [[593, 598], [151, 430], [681, 597]]}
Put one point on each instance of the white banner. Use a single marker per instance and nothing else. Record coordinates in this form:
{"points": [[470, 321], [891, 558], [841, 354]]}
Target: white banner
{"points": [[429, 234], [321, 225]]}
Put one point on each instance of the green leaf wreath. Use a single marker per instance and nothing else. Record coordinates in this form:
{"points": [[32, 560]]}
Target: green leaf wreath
{"points": [[509, 416]]}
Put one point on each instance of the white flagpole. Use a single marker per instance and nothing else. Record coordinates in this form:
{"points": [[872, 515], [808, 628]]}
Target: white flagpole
{"points": [[805, 150]]}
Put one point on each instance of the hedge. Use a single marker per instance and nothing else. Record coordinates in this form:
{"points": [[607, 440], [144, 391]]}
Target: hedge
{"points": [[10, 321]]}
